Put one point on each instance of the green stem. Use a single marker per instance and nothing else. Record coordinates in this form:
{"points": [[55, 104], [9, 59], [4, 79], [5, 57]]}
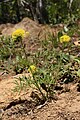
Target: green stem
{"points": [[23, 47], [39, 88]]}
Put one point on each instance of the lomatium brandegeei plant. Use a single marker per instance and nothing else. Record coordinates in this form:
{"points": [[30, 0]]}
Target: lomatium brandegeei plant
{"points": [[64, 39], [19, 34], [38, 79], [32, 69]]}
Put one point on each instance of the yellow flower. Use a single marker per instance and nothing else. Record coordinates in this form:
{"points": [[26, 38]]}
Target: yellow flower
{"points": [[32, 69], [64, 38], [19, 34]]}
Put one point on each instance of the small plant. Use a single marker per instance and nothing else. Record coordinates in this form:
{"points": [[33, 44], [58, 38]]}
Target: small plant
{"points": [[18, 36], [64, 38], [32, 69], [21, 58], [12, 51], [39, 79]]}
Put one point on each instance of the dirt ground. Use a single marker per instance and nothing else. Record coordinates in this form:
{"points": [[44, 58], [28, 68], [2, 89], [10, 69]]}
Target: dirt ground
{"points": [[14, 106]]}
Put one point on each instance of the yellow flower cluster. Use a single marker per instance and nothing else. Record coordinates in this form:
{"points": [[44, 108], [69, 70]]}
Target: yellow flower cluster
{"points": [[64, 38], [19, 33], [32, 69]]}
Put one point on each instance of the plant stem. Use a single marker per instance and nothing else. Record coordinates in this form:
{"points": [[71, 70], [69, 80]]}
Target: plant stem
{"points": [[39, 88], [23, 47]]}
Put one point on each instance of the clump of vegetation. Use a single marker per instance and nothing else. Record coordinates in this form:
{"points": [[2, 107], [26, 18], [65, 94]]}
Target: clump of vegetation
{"points": [[53, 62], [12, 51]]}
